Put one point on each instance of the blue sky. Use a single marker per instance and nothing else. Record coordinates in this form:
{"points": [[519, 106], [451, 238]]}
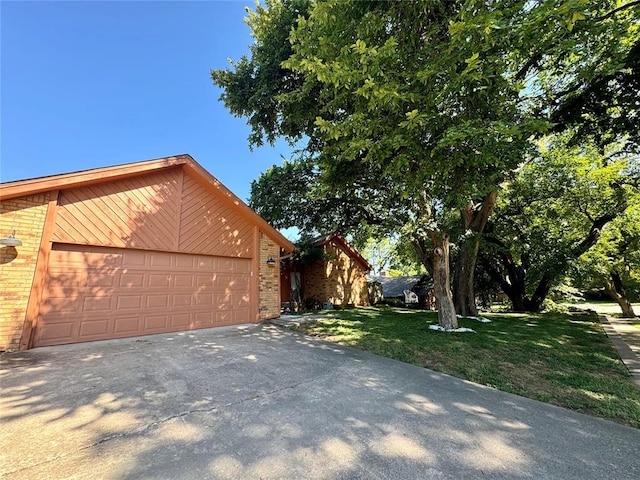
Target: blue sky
{"points": [[90, 84]]}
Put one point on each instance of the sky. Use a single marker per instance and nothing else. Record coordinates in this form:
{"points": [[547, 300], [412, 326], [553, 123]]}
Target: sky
{"points": [[88, 84]]}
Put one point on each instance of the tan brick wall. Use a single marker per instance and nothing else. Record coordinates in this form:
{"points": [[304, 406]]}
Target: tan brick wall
{"points": [[25, 215], [269, 279], [340, 280]]}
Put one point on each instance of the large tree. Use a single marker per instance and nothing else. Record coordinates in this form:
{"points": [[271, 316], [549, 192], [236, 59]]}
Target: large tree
{"points": [[613, 264], [424, 106], [396, 102], [553, 212]]}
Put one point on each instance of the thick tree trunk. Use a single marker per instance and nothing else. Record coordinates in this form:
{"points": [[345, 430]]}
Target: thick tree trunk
{"points": [[463, 291], [474, 219], [616, 291], [513, 277], [534, 304], [444, 300]]}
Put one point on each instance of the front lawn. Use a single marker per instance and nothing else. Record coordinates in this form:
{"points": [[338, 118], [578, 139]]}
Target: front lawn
{"points": [[562, 359]]}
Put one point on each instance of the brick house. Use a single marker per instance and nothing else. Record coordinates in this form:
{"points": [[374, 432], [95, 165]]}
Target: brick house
{"points": [[148, 247], [340, 278]]}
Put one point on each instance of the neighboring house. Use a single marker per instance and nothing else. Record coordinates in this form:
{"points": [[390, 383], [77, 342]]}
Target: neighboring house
{"points": [[395, 288], [338, 279], [148, 247]]}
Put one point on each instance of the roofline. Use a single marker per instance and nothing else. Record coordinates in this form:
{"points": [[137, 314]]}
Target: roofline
{"points": [[354, 253], [34, 186]]}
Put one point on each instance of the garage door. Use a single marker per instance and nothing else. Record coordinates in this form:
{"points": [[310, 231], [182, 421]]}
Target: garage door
{"points": [[96, 293]]}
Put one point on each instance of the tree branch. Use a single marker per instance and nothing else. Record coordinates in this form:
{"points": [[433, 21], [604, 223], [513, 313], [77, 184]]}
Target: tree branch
{"points": [[616, 10]]}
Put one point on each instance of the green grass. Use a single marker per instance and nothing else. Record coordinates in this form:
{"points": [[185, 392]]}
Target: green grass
{"points": [[603, 307], [566, 360]]}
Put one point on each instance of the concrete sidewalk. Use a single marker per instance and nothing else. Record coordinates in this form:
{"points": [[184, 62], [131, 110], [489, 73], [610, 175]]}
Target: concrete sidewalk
{"points": [[257, 401], [626, 338]]}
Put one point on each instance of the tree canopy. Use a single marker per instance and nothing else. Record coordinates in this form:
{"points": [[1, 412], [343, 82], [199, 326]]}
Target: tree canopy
{"points": [[409, 110], [552, 213]]}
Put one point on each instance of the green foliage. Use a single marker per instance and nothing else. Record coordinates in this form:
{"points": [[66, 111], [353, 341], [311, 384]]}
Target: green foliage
{"points": [[617, 252], [391, 254], [409, 111], [253, 86], [554, 211], [307, 252]]}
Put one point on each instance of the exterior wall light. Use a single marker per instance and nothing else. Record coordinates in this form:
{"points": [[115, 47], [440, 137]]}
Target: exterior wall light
{"points": [[11, 240], [271, 262]]}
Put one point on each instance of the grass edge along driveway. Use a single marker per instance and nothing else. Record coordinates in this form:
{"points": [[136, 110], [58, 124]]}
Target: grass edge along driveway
{"points": [[562, 359]]}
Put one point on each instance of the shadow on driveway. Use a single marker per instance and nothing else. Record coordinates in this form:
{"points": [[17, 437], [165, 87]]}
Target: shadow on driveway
{"points": [[254, 401]]}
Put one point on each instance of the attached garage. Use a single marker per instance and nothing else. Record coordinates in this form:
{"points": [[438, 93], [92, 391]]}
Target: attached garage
{"points": [[152, 247]]}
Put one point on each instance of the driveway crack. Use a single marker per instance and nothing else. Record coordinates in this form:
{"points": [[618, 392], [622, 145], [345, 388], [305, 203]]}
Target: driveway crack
{"points": [[152, 425]]}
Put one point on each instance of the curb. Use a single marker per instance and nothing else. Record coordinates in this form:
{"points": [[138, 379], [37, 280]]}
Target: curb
{"points": [[628, 357]]}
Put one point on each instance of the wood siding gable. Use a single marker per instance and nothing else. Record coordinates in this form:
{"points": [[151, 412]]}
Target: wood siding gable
{"points": [[167, 210]]}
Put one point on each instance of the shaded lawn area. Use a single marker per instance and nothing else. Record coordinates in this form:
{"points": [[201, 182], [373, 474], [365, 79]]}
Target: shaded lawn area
{"points": [[563, 359]]}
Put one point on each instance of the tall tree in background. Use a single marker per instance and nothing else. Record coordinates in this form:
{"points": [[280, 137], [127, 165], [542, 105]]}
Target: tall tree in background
{"points": [[423, 106], [551, 214], [614, 262]]}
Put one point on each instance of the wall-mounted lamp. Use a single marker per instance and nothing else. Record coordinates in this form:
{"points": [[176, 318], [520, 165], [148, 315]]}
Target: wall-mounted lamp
{"points": [[271, 262], [11, 240]]}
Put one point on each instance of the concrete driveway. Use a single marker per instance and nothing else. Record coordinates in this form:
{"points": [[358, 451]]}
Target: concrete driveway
{"points": [[258, 402]]}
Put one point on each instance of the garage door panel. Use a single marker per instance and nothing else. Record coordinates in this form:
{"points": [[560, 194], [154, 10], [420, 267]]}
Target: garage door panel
{"points": [[202, 319], [163, 261], [97, 304], [99, 279], [181, 321], [240, 315], [61, 305], [240, 266], [181, 300], [93, 328], [134, 258], [155, 322], [126, 302], [183, 280], [127, 326], [158, 301], [224, 264], [206, 264], [131, 279], [56, 333], [203, 299], [186, 262], [138, 292], [223, 317]]}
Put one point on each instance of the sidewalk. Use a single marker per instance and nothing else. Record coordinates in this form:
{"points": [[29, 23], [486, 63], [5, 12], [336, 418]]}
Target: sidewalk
{"points": [[626, 339]]}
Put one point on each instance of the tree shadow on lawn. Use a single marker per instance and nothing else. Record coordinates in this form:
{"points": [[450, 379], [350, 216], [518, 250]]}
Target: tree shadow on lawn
{"points": [[564, 359]]}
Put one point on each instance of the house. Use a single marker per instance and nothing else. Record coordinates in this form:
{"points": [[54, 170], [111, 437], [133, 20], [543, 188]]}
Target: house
{"points": [[149, 247], [339, 278], [396, 288]]}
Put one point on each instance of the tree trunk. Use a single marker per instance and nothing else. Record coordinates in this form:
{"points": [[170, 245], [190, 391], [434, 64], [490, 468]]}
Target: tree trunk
{"points": [[474, 219], [446, 310], [617, 292], [463, 291], [534, 304]]}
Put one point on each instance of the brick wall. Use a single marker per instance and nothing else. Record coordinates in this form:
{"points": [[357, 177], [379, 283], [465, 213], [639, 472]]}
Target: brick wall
{"points": [[340, 280], [25, 215], [269, 279]]}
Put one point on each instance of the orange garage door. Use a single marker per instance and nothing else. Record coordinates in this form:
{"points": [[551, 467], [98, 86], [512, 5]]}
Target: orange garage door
{"points": [[97, 293]]}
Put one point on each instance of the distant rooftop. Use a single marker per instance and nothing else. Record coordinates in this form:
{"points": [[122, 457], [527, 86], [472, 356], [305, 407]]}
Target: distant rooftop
{"points": [[394, 286]]}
